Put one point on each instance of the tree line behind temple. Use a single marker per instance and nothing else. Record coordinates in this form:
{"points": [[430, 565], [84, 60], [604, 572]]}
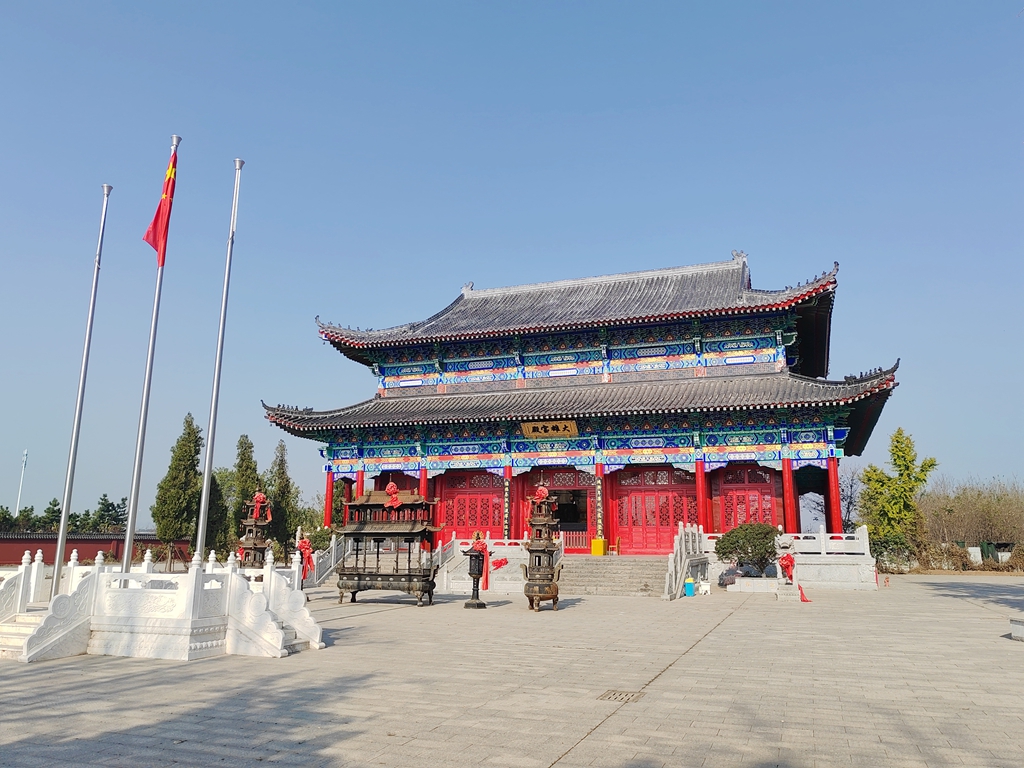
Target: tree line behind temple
{"points": [[917, 522], [176, 508]]}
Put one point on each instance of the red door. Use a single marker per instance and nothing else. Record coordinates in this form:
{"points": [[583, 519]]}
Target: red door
{"points": [[748, 496], [648, 507], [471, 502]]}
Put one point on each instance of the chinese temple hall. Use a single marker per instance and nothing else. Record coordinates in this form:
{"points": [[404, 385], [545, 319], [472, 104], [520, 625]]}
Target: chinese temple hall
{"points": [[640, 400]]}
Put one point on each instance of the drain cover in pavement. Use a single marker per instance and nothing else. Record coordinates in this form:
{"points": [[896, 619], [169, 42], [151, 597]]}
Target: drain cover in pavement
{"points": [[626, 697]]}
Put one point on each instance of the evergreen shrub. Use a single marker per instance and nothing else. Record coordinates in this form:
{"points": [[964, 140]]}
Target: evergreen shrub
{"points": [[751, 544]]}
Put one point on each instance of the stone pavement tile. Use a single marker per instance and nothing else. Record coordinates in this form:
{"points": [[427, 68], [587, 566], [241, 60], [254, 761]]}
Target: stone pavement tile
{"points": [[461, 690]]}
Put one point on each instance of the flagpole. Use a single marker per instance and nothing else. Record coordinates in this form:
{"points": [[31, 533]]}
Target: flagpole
{"points": [[140, 441], [21, 483], [204, 505], [69, 478]]}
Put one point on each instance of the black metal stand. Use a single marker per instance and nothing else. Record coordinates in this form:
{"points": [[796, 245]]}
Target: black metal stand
{"points": [[475, 601]]}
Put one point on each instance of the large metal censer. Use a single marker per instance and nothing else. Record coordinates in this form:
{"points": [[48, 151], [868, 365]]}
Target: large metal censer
{"points": [[541, 574]]}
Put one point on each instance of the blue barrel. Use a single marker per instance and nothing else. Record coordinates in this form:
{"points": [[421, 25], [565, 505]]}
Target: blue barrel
{"points": [[689, 587]]}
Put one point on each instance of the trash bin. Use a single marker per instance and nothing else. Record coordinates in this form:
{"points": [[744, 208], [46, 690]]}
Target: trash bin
{"points": [[689, 587]]}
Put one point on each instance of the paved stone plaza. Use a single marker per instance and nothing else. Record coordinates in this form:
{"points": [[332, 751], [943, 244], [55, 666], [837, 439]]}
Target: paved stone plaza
{"points": [[920, 674]]}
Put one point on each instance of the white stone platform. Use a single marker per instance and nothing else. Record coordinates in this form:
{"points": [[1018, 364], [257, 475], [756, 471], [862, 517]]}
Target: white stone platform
{"points": [[208, 611]]}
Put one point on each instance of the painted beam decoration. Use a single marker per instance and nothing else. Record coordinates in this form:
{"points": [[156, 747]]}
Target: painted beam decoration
{"points": [[753, 436]]}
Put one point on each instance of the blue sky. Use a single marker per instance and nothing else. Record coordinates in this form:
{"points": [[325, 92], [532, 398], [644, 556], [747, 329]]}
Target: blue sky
{"points": [[395, 151]]}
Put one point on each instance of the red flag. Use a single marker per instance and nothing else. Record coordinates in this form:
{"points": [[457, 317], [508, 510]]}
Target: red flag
{"points": [[156, 235]]}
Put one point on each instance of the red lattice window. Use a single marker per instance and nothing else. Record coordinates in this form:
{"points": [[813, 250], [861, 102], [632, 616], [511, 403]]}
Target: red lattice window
{"points": [[729, 512], [691, 510], [622, 505], [678, 510], [664, 515], [455, 481], [759, 475], [651, 508], [460, 511], [630, 478], [449, 513]]}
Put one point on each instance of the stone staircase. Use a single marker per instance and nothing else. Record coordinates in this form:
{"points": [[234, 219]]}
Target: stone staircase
{"points": [[611, 575], [292, 643], [16, 629]]}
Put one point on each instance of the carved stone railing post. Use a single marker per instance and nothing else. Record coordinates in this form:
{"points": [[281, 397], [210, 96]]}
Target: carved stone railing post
{"points": [[296, 570], [211, 561], [147, 561], [24, 583], [38, 578], [194, 587], [68, 575], [268, 578]]}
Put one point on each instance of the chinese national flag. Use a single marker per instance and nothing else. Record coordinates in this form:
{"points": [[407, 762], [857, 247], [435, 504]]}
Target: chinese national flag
{"points": [[156, 235]]}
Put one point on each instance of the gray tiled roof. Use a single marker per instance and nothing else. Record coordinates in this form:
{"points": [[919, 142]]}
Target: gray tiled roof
{"points": [[772, 390], [701, 290]]}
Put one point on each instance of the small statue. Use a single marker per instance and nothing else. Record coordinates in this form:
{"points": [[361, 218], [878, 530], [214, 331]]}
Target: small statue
{"points": [[305, 548], [259, 500], [786, 563], [393, 501]]}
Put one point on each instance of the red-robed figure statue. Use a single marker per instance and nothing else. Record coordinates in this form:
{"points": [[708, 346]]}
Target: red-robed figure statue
{"points": [[786, 563], [306, 550], [259, 501], [393, 501]]}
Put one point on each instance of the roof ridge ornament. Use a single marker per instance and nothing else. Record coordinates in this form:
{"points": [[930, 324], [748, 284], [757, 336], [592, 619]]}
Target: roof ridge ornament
{"points": [[467, 288]]}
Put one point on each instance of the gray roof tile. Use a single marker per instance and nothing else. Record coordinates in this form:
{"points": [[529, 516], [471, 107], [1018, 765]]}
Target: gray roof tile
{"points": [[772, 390], [704, 289]]}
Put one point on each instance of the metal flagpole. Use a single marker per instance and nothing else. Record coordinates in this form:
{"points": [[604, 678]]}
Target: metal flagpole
{"points": [[140, 441], [24, 461], [204, 505], [69, 478]]}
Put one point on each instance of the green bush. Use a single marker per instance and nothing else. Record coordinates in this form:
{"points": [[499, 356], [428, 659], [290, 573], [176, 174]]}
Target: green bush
{"points": [[893, 553], [752, 544], [320, 539]]}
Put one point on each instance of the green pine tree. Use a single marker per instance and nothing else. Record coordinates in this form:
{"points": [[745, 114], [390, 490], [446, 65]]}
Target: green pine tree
{"points": [[218, 523], [283, 496], [888, 502], [109, 516], [6, 520], [49, 521], [25, 522], [246, 479], [178, 494]]}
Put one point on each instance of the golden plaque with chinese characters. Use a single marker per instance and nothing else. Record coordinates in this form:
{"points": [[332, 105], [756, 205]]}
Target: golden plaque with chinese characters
{"points": [[536, 430]]}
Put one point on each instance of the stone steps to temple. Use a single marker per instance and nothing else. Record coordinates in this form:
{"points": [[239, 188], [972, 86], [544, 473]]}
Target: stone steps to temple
{"points": [[15, 631], [625, 576], [292, 644]]}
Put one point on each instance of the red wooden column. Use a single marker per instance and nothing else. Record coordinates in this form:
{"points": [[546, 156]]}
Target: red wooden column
{"points": [[360, 482], [835, 507], [423, 482], [791, 517], [329, 499], [703, 518]]}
